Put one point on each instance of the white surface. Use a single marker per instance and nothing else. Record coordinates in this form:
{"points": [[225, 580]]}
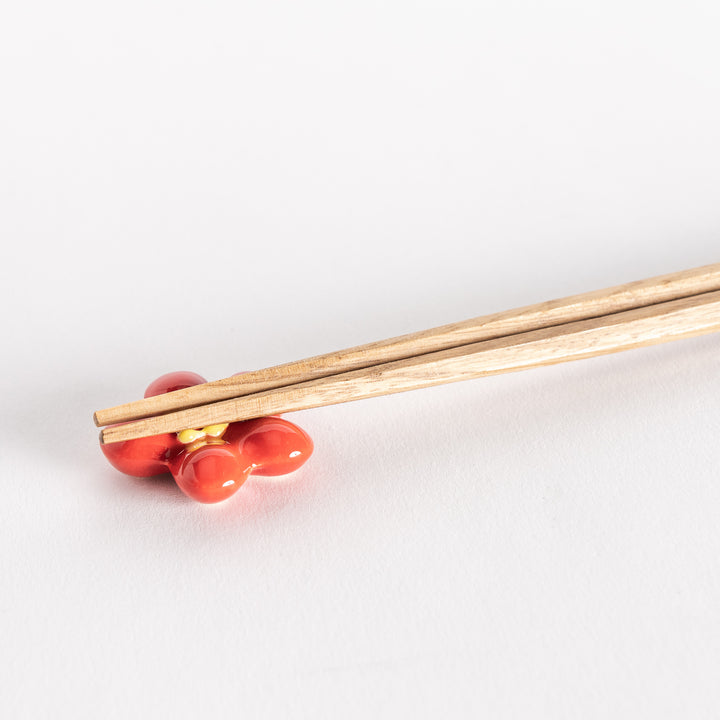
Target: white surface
{"points": [[224, 186]]}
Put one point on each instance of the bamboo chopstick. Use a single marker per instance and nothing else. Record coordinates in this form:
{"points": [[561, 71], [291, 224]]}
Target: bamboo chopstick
{"points": [[533, 317], [673, 320]]}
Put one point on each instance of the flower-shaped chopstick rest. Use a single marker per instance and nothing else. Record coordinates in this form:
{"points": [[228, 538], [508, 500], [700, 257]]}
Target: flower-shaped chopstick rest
{"points": [[209, 464]]}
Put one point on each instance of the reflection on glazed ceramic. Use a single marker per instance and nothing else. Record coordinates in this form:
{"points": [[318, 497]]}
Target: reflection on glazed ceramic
{"points": [[209, 464]]}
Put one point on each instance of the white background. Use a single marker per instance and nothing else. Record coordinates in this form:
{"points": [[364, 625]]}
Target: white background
{"points": [[224, 186]]}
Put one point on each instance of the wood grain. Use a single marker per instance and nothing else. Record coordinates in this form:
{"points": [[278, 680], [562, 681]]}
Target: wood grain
{"points": [[547, 314], [626, 330]]}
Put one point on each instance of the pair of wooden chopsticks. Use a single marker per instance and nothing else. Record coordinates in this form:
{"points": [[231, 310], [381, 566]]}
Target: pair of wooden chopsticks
{"points": [[641, 313]]}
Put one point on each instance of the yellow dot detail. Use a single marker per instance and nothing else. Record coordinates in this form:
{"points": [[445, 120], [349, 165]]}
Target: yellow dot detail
{"points": [[189, 436], [215, 430]]}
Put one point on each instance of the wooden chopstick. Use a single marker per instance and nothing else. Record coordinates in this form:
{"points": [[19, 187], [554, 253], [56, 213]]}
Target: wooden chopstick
{"points": [[533, 317], [673, 320]]}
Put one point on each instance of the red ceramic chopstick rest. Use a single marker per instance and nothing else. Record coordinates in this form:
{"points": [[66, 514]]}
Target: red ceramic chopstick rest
{"points": [[209, 464]]}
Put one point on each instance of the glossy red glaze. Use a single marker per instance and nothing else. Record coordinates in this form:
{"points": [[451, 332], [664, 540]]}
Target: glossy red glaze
{"points": [[143, 457], [213, 472], [173, 381], [210, 474], [272, 445]]}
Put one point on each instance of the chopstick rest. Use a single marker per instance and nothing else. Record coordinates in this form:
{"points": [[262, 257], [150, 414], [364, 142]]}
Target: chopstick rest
{"points": [[209, 464]]}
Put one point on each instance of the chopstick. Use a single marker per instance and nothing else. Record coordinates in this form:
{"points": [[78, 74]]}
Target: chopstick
{"points": [[610, 333], [533, 317]]}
